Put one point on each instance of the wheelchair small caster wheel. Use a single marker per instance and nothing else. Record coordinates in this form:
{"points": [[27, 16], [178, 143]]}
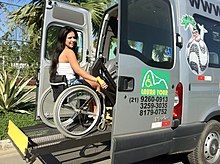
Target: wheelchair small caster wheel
{"points": [[102, 126]]}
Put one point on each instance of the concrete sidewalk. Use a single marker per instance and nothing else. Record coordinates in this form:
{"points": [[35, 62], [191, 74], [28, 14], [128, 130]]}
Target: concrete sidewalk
{"points": [[9, 155]]}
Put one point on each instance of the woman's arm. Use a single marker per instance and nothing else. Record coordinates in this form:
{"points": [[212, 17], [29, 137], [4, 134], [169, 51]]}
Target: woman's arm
{"points": [[76, 67]]}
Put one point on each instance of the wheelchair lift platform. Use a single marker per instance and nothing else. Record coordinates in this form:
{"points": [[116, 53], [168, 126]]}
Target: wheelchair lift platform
{"points": [[37, 140]]}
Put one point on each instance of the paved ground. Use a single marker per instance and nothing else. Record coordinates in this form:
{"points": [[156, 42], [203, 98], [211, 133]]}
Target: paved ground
{"points": [[9, 155]]}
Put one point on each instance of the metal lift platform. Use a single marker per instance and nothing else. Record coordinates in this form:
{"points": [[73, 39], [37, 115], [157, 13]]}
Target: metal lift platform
{"points": [[36, 141]]}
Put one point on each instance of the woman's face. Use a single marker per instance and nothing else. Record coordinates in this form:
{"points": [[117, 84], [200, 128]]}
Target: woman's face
{"points": [[70, 40]]}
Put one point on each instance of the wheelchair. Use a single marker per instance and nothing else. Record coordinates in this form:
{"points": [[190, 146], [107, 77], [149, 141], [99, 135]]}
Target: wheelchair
{"points": [[79, 109]]}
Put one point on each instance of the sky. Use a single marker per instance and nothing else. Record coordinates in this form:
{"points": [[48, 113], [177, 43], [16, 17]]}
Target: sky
{"points": [[9, 5]]}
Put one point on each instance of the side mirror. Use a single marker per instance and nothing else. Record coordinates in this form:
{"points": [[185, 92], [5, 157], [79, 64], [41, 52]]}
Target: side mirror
{"points": [[179, 41]]}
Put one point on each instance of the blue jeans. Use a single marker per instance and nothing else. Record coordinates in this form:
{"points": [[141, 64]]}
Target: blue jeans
{"points": [[74, 81]]}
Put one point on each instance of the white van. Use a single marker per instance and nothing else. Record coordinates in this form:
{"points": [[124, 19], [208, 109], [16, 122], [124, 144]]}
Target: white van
{"points": [[168, 67]]}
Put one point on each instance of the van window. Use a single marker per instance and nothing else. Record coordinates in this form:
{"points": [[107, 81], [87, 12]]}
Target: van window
{"points": [[146, 32], [136, 45], [211, 38], [112, 48], [52, 34]]}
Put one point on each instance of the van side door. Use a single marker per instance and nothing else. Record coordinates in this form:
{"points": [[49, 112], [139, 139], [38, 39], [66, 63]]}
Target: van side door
{"points": [[147, 78], [57, 15]]}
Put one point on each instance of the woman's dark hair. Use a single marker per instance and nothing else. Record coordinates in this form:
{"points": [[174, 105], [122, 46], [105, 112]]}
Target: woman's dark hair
{"points": [[61, 39]]}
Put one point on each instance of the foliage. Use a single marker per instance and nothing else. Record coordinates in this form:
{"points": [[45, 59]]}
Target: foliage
{"points": [[3, 10], [29, 56], [8, 55], [20, 57], [21, 120], [31, 16], [14, 97]]}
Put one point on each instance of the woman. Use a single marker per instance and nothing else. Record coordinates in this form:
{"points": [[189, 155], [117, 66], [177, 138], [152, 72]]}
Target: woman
{"points": [[65, 60]]}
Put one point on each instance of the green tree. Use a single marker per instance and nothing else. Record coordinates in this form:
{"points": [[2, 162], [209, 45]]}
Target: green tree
{"points": [[20, 57], [29, 57], [30, 16], [9, 55]]}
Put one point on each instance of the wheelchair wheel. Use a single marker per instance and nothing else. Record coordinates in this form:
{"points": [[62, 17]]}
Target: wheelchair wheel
{"points": [[77, 111], [45, 108]]}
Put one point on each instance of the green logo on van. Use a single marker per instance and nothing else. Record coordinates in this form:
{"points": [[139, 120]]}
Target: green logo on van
{"points": [[154, 82]]}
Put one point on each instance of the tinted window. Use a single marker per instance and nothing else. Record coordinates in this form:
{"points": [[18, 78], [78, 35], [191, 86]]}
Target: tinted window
{"points": [[146, 32], [112, 48], [211, 38]]}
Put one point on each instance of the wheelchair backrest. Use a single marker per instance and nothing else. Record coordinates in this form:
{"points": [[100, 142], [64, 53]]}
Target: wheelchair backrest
{"points": [[58, 84]]}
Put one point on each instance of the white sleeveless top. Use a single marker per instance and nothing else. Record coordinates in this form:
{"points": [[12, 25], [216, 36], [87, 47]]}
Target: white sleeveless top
{"points": [[66, 69]]}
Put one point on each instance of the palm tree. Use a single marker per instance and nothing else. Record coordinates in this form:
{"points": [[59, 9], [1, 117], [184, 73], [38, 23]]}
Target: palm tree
{"points": [[31, 16]]}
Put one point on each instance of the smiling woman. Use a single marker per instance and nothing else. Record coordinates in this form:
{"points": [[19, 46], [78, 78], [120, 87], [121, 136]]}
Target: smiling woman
{"points": [[65, 61]]}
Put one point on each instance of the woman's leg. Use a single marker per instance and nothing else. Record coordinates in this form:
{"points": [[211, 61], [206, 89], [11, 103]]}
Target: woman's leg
{"points": [[96, 86]]}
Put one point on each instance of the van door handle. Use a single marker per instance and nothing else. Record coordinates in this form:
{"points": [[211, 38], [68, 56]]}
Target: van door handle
{"points": [[125, 83]]}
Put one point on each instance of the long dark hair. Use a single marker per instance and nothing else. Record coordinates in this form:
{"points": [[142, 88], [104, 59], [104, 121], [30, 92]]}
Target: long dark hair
{"points": [[64, 31]]}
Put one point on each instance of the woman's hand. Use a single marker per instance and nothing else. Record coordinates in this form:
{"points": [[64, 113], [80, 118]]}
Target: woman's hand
{"points": [[101, 82]]}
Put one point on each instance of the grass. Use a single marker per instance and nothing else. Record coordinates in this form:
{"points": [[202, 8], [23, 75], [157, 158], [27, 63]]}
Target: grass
{"points": [[20, 120]]}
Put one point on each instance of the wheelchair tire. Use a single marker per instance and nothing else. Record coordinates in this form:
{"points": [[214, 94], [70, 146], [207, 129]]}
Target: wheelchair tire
{"points": [[72, 111], [45, 108]]}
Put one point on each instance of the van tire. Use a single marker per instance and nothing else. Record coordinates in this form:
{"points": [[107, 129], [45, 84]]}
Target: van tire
{"points": [[207, 150]]}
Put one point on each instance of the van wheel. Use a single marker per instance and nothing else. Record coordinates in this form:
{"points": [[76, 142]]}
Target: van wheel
{"points": [[207, 150]]}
